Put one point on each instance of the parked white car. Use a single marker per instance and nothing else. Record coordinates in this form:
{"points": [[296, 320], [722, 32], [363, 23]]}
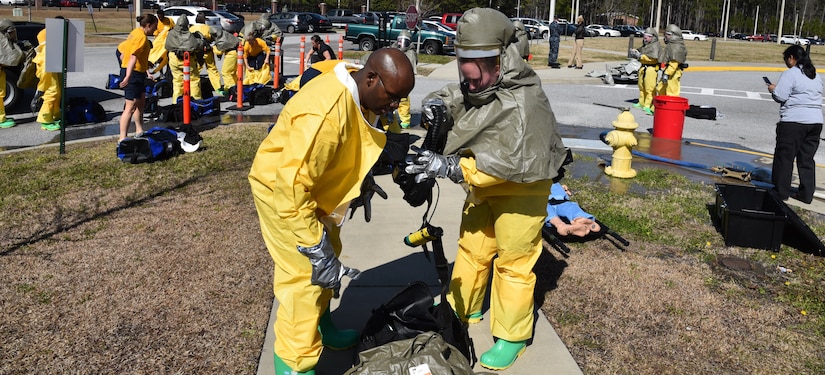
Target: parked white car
{"points": [[190, 12], [690, 35], [438, 27], [794, 39], [604, 30], [533, 24]]}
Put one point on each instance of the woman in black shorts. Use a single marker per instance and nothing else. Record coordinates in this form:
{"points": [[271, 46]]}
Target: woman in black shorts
{"points": [[135, 52]]}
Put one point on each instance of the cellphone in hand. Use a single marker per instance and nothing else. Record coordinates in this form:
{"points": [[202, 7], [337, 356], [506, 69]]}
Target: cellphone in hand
{"points": [[767, 81]]}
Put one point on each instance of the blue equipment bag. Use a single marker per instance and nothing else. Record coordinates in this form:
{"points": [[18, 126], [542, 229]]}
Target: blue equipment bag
{"points": [[203, 107], [154, 144], [113, 83], [80, 110]]}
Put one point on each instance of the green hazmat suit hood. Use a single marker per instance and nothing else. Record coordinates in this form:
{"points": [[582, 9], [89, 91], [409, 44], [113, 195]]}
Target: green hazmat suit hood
{"points": [[509, 127], [181, 40], [654, 48], [675, 49], [223, 41], [10, 53]]}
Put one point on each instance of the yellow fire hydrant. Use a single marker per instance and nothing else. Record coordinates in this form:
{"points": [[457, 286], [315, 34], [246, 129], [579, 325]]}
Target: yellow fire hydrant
{"points": [[622, 140]]}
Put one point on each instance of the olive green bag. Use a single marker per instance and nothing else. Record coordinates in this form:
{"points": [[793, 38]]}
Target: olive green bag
{"points": [[426, 353]]}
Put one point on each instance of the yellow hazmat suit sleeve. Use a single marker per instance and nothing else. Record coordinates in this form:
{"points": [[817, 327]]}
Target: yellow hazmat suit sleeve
{"points": [[316, 156]]}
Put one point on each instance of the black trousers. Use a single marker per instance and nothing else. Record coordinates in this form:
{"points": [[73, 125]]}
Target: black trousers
{"points": [[800, 142]]}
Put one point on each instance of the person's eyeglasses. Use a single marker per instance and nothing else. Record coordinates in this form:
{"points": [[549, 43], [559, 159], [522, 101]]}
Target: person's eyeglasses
{"points": [[394, 100]]}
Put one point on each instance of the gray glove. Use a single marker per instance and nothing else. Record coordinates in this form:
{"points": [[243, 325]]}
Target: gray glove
{"points": [[634, 53], [430, 109], [659, 74], [429, 165], [664, 78], [327, 271]]}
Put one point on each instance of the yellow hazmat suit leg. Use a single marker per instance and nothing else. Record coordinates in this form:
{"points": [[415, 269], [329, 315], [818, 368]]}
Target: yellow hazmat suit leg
{"points": [[262, 76], [510, 227], [229, 69], [674, 84], [176, 67], [212, 69], [298, 342], [647, 86], [2, 95], [50, 110], [404, 112]]}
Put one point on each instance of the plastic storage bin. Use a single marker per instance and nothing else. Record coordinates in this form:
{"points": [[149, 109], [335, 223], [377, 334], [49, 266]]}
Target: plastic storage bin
{"points": [[749, 216]]}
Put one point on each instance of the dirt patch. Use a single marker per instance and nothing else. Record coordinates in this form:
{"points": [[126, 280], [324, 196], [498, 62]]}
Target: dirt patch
{"points": [[179, 282], [612, 307]]}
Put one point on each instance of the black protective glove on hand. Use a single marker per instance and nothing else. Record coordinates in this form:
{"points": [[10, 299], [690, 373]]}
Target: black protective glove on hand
{"points": [[429, 165], [368, 189], [327, 270]]}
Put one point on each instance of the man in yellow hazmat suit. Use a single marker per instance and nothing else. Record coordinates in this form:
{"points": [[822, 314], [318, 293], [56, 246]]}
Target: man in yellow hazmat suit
{"points": [[673, 61], [200, 26], [158, 55], [648, 56], [48, 88], [505, 147], [226, 46], [303, 177]]}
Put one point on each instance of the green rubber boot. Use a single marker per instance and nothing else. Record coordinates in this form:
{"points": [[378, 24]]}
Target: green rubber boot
{"points": [[648, 111], [637, 105], [334, 338], [475, 317], [503, 354], [282, 369], [9, 123]]}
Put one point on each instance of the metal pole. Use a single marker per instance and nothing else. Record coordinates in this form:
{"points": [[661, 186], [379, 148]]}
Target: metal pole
{"points": [[63, 87], [781, 21], [755, 20], [659, 15]]}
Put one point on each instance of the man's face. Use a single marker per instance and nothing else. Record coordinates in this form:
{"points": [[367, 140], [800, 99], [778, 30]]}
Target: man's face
{"points": [[384, 97], [478, 73], [647, 38]]}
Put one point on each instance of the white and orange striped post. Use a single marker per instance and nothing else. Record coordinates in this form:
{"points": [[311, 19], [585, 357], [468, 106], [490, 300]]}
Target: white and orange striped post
{"points": [[340, 47], [301, 55], [239, 92], [187, 100], [277, 78]]}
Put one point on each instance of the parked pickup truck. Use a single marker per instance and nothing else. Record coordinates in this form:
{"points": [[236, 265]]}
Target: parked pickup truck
{"points": [[342, 17], [367, 36]]}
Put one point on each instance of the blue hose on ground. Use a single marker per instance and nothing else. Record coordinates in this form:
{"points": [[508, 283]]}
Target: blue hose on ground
{"points": [[603, 136]]}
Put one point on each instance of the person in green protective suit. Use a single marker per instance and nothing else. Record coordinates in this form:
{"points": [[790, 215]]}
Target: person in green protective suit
{"points": [[10, 55], [303, 178], [648, 55], [673, 62], [504, 146]]}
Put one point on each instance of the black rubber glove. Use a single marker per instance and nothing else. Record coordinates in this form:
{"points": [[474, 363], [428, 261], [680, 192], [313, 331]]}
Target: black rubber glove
{"points": [[368, 189]]}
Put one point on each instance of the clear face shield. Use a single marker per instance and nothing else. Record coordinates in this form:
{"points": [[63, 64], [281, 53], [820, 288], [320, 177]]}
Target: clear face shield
{"points": [[647, 38], [668, 35], [478, 74], [404, 43]]}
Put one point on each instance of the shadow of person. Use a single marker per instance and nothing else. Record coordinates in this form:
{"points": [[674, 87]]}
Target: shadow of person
{"points": [[375, 287]]}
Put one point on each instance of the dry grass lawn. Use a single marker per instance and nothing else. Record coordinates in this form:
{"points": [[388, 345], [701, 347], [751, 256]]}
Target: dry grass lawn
{"points": [[109, 268]]}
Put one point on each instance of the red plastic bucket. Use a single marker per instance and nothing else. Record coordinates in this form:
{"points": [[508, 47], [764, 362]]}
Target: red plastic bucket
{"points": [[669, 116]]}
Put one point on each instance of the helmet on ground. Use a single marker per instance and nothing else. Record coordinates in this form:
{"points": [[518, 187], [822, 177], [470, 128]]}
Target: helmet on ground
{"points": [[189, 142], [483, 32], [6, 26], [404, 39]]}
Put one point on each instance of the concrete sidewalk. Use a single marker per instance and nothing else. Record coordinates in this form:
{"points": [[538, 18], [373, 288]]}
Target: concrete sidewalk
{"points": [[388, 265]]}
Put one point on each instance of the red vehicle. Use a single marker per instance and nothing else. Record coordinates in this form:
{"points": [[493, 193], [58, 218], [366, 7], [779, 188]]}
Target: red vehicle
{"points": [[755, 38], [451, 19], [69, 3]]}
